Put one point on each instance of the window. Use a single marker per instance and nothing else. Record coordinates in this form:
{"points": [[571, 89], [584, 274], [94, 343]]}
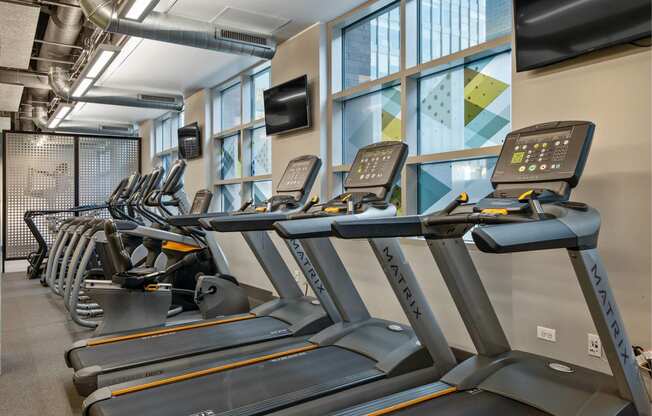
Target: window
{"points": [[261, 152], [261, 191], [261, 82], [447, 94], [230, 107], [440, 183], [371, 118], [466, 107], [243, 149], [231, 199], [230, 158], [372, 47], [165, 131], [449, 26], [166, 138]]}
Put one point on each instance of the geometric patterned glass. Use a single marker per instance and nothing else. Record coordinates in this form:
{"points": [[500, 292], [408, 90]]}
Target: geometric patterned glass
{"points": [[231, 199], [261, 191], [440, 183], [230, 102], [372, 47], [230, 168], [261, 82], [369, 119], [261, 152], [449, 26], [466, 107]]}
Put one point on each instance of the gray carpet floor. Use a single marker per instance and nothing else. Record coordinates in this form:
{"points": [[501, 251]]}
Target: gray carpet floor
{"points": [[35, 332]]}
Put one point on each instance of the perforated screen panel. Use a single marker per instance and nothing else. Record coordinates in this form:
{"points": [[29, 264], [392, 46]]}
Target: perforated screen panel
{"points": [[103, 162], [40, 174]]}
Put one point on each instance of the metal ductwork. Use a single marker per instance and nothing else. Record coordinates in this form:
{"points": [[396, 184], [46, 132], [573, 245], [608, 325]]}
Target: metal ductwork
{"points": [[179, 30], [40, 118], [63, 28], [59, 80], [25, 78]]}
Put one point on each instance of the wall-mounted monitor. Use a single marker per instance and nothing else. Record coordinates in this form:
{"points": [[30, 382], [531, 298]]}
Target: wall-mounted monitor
{"points": [[552, 31], [190, 142], [287, 106]]}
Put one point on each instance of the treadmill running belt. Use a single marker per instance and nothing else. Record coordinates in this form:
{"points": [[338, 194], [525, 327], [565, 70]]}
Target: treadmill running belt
{"points": [[468, 403], [251, 390], [158, 348]]}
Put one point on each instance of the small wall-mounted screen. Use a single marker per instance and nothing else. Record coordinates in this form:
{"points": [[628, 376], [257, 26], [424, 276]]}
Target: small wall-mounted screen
{"points": [[287, 106], [552, 31], [190, 142]]}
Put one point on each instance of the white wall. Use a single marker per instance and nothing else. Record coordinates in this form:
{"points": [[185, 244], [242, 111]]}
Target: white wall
{"points": [[611, 89]]}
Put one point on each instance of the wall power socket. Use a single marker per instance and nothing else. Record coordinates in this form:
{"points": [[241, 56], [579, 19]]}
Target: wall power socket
{"points": [[594, 345], [546, 334]]}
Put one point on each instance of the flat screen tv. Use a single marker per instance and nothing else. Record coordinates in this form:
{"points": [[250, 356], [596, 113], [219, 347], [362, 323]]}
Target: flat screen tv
{"points": [[287, 106], [189, 141], [550, 31]]}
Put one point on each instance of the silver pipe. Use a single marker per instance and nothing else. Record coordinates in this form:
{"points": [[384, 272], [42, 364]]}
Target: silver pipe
{"points": [[179, 30], [40, 118], [62, 87], [25, 78]]}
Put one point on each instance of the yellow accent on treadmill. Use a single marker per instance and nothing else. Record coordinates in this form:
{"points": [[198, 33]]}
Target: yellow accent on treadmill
{"points": [[495, 211], [103, 341], [525, 195], [213, 370], [409, 403], [333, 210], [181, 247]]}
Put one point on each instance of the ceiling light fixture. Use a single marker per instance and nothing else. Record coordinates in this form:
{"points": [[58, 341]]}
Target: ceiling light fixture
{"points": [[82, 87], [138, 8], [59, 115], [101, 61]]}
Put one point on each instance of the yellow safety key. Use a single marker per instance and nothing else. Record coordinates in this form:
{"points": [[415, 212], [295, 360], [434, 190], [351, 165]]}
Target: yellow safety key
{"points": [[464, 197], [261, 209], [151, 288]]}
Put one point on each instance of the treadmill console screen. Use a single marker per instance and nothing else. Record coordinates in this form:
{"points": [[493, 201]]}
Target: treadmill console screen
{"points": [[544, 153], [376, 165], [298, 173], [202, 202]]}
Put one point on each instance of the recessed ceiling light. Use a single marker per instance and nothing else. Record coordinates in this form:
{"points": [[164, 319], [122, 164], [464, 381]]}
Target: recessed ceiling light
{"points": [[137, 9], [101, 60], [82, 87]]}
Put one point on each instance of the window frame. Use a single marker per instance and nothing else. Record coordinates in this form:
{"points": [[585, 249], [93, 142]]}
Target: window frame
{"points": [[410, 72], [173, 149], [245, 81]]}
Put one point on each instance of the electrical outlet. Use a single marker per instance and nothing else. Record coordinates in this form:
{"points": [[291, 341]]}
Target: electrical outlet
{"points": [[595, 346], [546, 334]]}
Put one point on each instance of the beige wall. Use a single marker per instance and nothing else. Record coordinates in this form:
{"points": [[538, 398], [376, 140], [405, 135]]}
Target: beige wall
{"points": [[611, 89], [146, 132], [195, 111]]}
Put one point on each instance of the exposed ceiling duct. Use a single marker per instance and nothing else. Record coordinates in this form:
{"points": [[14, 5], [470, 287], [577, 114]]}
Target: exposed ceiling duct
{"points": [[25, 78], [59, 80], [40, 118], [63, 28], [179, 30]]}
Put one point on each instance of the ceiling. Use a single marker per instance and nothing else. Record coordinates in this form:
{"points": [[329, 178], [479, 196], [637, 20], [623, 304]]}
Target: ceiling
{"points": [[163, 67], [17, 32], [10, 95]]}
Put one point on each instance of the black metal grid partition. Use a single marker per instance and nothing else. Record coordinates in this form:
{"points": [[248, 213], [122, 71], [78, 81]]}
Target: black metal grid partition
{"points": [[47, 171]]}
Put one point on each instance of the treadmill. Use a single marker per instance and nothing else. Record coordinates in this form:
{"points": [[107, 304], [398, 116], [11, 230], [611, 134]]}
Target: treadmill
{"points": [[104, 361], [529, 210], [357, 350]]}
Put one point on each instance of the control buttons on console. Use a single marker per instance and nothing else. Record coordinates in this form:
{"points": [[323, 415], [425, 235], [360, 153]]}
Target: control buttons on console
{"points": [[522, 169], [543, 167], [532, 168]]}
